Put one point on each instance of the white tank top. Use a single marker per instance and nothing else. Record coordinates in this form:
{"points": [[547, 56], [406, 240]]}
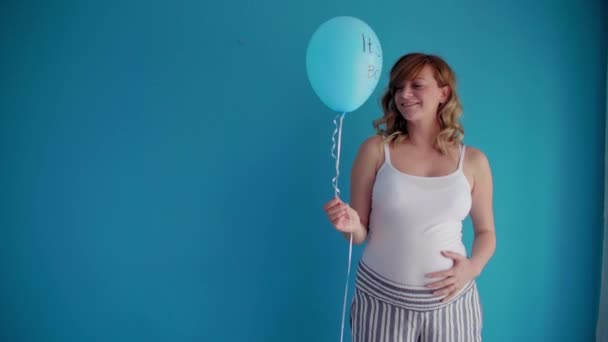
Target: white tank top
{"points": [[413, 219]]}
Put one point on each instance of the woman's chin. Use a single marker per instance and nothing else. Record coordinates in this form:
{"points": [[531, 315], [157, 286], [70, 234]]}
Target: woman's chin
{"points": [[412, 116]]}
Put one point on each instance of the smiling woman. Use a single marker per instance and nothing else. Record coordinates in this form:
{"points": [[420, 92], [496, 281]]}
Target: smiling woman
{"points": [[421, 80], [412, 186]]}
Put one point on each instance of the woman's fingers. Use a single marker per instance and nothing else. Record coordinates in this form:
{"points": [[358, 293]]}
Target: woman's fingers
{"points": [[339, 214], [450, 295], [340, 208], [442, 274], [335, 201], [337, 217], [446, 290], [442, 283]]}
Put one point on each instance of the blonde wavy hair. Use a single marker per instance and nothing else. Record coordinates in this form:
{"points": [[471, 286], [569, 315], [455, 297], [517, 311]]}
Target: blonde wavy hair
{"points": [[393, 126]]}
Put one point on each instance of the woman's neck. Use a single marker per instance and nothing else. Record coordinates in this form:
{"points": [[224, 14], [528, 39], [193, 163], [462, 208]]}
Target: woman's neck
{"points": [[423, 134]]}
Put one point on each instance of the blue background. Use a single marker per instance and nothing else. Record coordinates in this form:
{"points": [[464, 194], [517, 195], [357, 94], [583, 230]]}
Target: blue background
{"points": [[164, 164]]}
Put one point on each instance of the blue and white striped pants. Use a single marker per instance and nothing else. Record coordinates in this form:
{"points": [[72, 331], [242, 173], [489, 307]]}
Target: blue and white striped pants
{"points": [[384, 311]]}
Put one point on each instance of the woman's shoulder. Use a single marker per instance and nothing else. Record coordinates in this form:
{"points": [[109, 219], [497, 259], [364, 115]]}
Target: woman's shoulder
{"points": [[372, 149], [474, 153], [375, 140], [476, 158], [374, 144]]}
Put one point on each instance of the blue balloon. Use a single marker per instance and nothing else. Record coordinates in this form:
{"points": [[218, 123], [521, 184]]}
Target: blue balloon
{"points": [[344, 63]]}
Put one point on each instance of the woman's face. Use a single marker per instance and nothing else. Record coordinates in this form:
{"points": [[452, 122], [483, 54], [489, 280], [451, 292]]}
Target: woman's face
{"points": [[419, 98]]}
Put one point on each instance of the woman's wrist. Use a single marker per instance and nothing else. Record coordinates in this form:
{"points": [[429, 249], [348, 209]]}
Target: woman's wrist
{"points": [[359, 233], [477, 266]]}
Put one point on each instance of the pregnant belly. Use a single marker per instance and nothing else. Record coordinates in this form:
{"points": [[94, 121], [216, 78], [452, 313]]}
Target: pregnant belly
{"points": [[408, 261]]}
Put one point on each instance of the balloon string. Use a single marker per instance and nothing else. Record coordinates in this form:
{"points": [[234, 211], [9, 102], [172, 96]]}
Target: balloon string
{"points": [[337, 147], [350, 254]]}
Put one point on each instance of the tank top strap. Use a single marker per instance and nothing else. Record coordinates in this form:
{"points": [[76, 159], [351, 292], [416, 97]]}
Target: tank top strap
{"points": [[461, 161], [387, 153]]}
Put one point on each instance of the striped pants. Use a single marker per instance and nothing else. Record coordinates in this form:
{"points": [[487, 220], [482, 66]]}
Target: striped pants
{"points": [[384, 311]]}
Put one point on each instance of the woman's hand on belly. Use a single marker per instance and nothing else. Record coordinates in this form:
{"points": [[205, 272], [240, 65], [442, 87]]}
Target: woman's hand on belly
{"points": [[454, 278]]}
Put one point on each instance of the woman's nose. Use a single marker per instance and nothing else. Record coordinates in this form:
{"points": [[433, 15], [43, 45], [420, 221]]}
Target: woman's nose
{"points": [[406, 92]]}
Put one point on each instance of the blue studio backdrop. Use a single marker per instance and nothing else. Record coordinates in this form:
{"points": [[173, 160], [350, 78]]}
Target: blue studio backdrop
{"points": [[164, 165]]}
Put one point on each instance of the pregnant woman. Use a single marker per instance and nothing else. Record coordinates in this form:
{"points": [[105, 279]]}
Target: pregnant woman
{"points": [[412, 185]]}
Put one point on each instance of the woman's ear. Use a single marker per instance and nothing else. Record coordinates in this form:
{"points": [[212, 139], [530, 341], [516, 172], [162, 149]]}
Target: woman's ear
{"points": [[445, 93]]}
